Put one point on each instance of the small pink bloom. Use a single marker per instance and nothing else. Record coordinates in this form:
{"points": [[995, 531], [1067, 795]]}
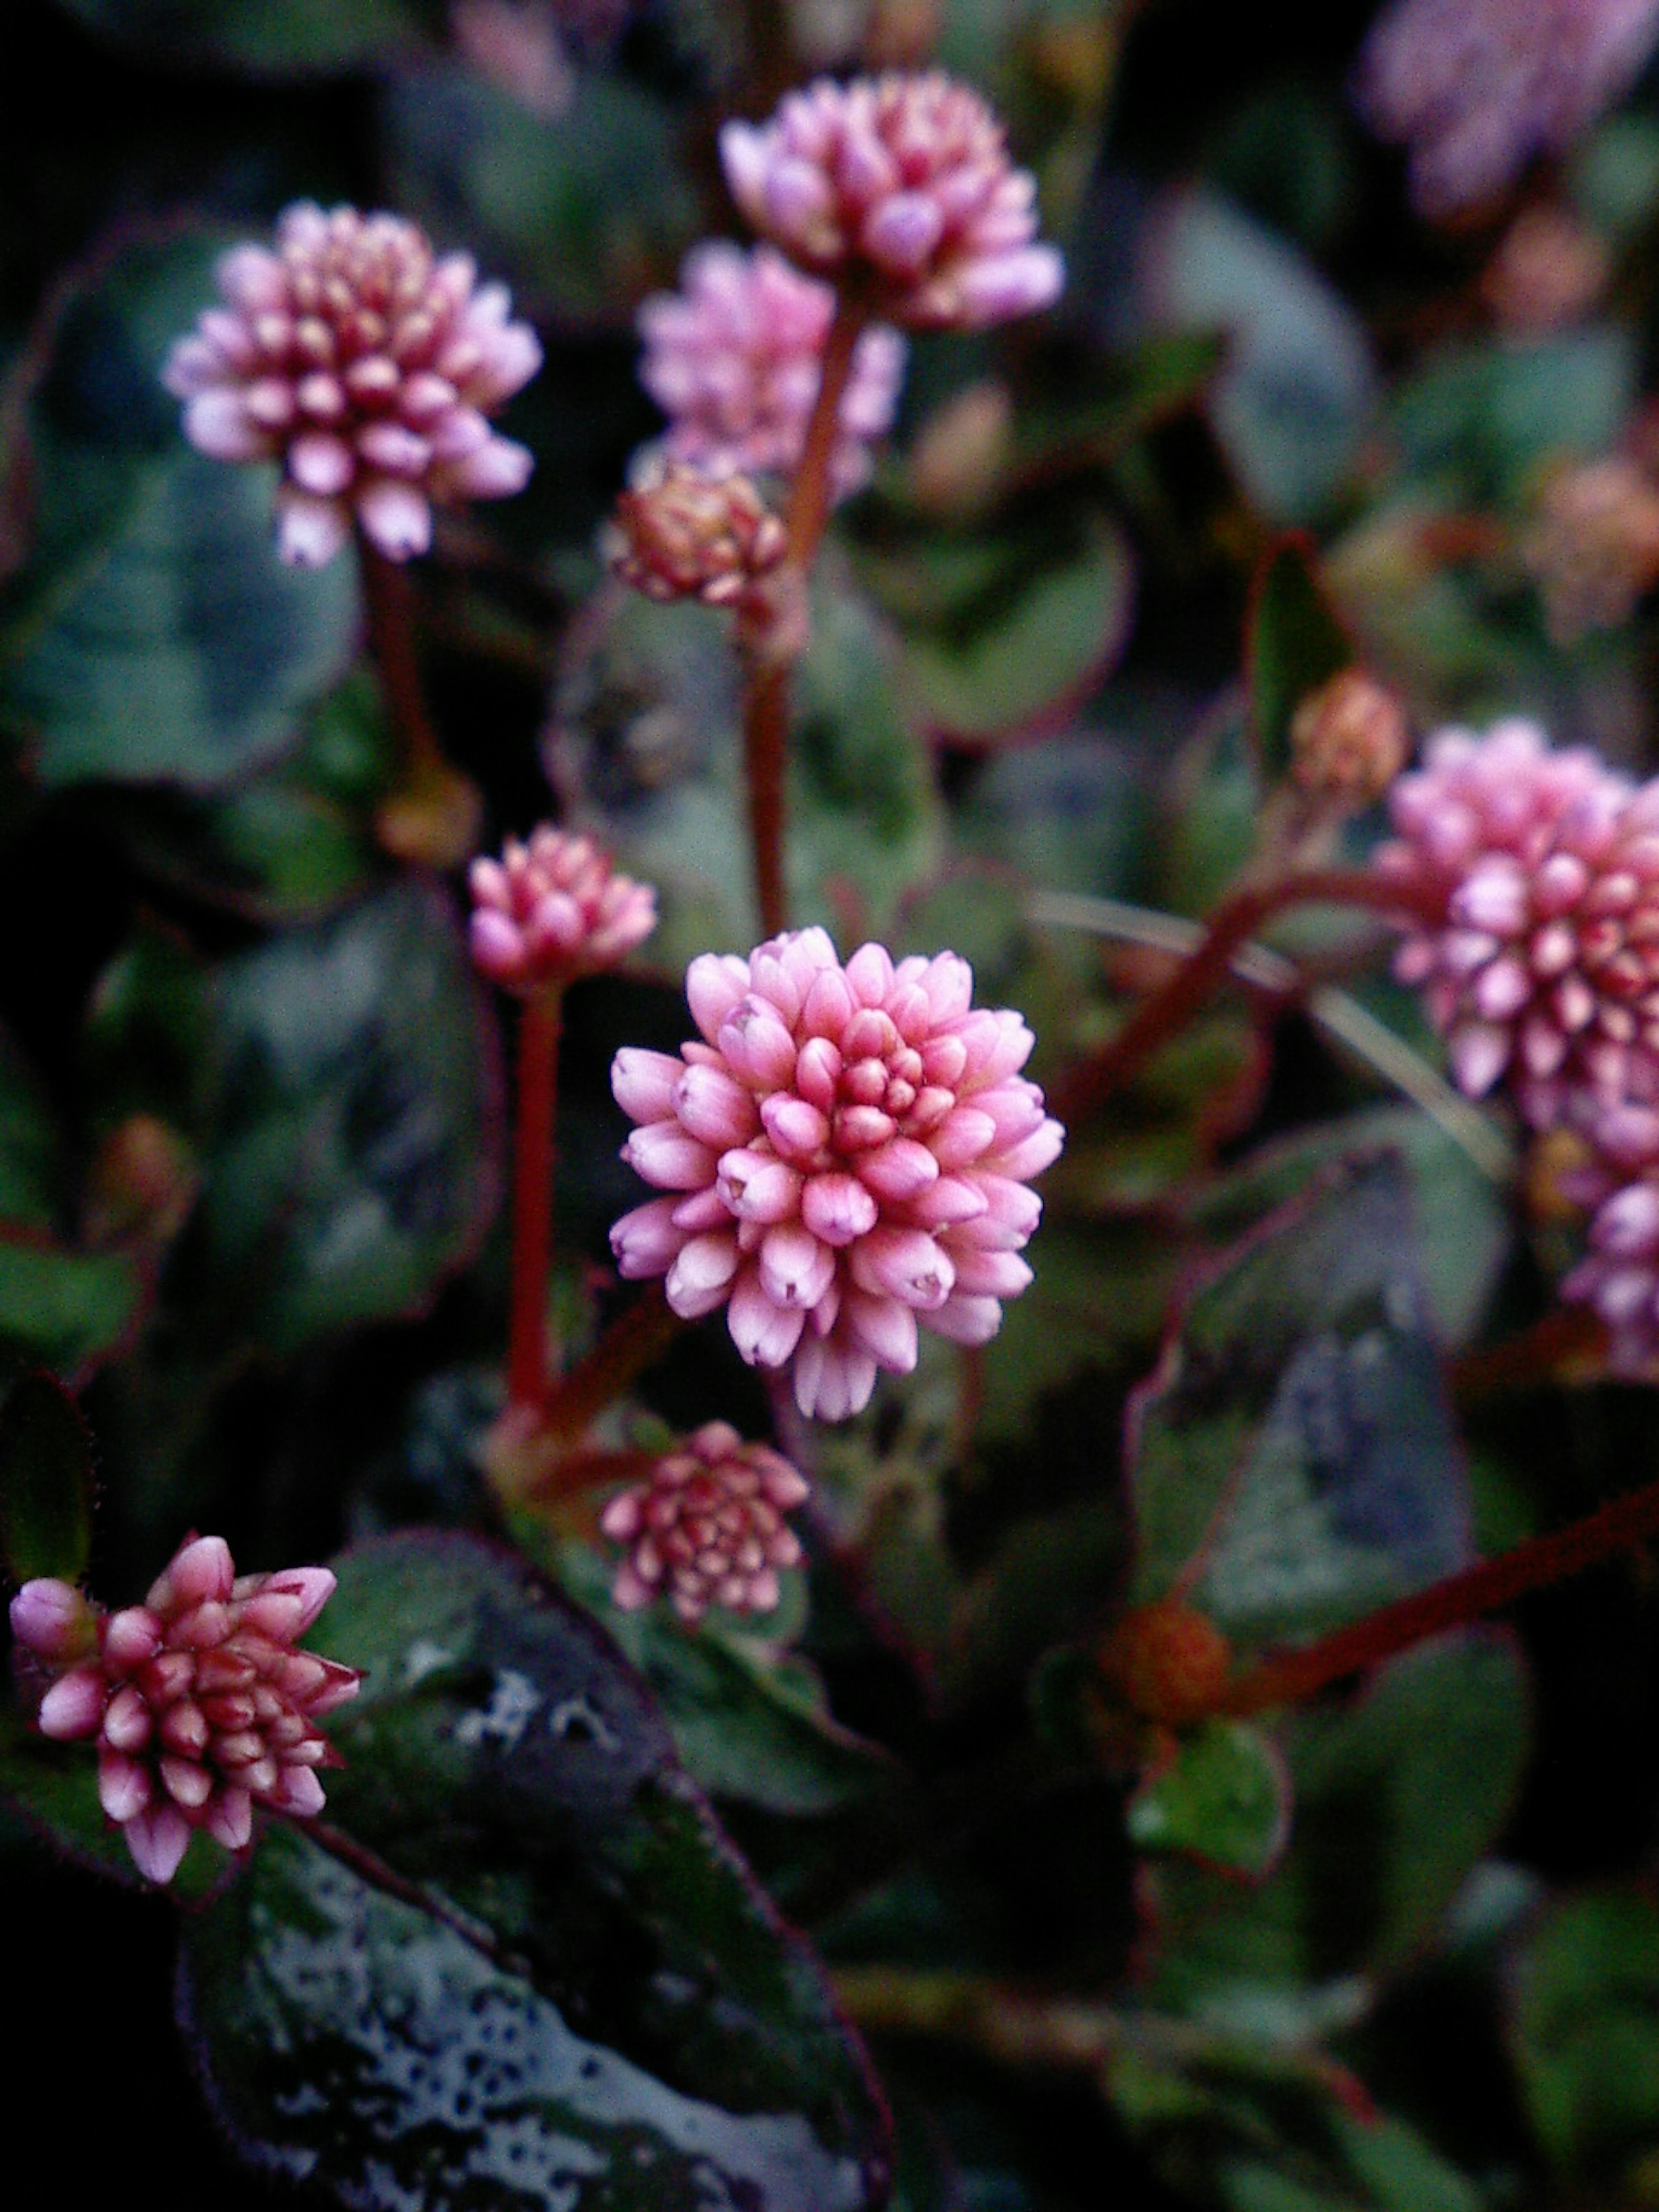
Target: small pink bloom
{"points": [[708, 1527], [1535, 875], [848, 1149], [1618, 1276], [200, 1705], [1477, 88], [732, 360], [904, 180], [551, 910], [366, 367]]}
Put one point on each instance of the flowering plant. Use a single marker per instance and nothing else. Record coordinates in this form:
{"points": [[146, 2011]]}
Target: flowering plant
{"points": [[832, 837]]}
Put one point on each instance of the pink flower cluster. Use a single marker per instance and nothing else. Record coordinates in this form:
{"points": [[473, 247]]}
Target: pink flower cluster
{"points": [[1477, 88], [1536, 875], [901, 183], [200, 1705], [552, 909], [367, 368], [708, 1527], [847, 1152], [733, 359], [1532, 878]]}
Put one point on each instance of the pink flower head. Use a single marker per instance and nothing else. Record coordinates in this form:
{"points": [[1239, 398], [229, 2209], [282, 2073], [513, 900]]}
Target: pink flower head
{"points": [[1476, 87], [367, 368], [733, 359], [1619, 1277], [552, 910], [847, 1152], [1536, 877], [904, 181], [199, 1702], [708, 1527]]}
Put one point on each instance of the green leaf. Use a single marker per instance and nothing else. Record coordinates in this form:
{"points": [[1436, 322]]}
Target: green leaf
{"points": [[1397, 1795], [1477, 421], [273, 38], [586, 209], [1299, 391], [1465, 1230], [1295, 1447], [46, 1482], [353, 1161], [753, 1731], [31, 1171], [1295, 643], [160, 639], [1226, 1800], [1052, 632], [1583, 2029], [565, 1986], [65, 1308]]}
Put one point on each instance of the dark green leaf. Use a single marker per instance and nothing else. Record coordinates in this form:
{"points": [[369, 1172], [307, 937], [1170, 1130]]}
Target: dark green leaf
{"points": [[1226, 1800], [1295, 643], [1584, 1991], [63, 1307], [1296, 397], [353, 1163], [161, 639], [1478, 421], [622, 2023], [273, 37], [1026, 658], [753, 1731], [1295, 1445], [584, 210], [46, 1482], [1397, 1796]]}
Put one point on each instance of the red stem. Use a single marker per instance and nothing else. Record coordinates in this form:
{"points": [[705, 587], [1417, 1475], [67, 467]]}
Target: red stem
{"points": [[1235, 922], [389, 600], [765, 695], [528, 1351], [1460, 1599]]}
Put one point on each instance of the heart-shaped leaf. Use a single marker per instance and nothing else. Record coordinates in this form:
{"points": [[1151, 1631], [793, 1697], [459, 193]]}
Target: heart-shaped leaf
{"points": [[534, 1972], [1224, 1799]]}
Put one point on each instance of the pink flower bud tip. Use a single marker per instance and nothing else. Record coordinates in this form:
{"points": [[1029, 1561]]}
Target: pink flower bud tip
{"points": [[707, 1527], [904, 181], [551, 910], [198, 1701], [846, 1152], [732, 360], [366, 367]]}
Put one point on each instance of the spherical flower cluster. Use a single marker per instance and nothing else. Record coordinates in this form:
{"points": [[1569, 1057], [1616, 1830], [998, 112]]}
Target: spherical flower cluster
{"points": [[1593, 546], [1347, 741], [680, 535], [551, 910], [366, 367], [902, 183], [1548, 272], [733, 360], [847, 1152], [708, 1527], [1618, 1276], [1477, 88], [1534, 877], [201, 1706]]}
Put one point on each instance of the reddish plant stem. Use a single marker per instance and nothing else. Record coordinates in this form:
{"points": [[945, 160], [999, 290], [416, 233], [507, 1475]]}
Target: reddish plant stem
{"points": [[633, 1341], [1452, 1603], [529, 1355], [389, 600], [1235, 922], [766, 692], [1564, 1337]]}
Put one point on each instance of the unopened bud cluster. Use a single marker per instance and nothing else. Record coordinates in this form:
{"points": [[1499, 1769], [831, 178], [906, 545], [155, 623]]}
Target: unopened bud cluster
{"points": [[198, 1701], [551, 909], [708, 1527], [1593, 545], [682, 535], [1348, 741]]}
